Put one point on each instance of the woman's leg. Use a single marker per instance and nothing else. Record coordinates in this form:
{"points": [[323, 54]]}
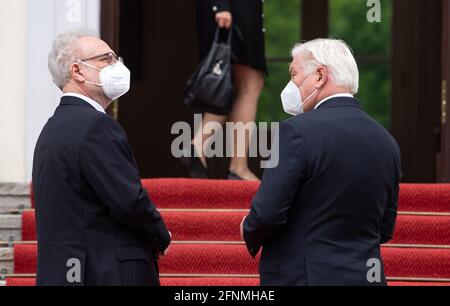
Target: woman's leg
{"points": [[249, 83], [201, 138]]}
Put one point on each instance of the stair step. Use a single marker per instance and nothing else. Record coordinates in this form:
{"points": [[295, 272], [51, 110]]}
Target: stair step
{"points": [[426, 230], [200, 212], [6, 260], [11, 228], [213, 281], [188, 193], [215, 258], [14, 196], [425, 198], [419, 284], [225, 226], [185, 226]]}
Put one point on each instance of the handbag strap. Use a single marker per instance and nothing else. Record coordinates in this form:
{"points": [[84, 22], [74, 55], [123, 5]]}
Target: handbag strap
{"points": [[216, 38]]}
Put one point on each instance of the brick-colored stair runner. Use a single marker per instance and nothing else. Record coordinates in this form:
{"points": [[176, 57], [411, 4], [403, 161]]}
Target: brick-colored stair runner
{"points": [[204, 217]]}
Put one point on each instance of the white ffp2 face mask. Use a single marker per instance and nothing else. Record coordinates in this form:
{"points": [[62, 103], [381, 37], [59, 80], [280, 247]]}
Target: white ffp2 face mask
{"points": [[114, 79], [291, 97]]}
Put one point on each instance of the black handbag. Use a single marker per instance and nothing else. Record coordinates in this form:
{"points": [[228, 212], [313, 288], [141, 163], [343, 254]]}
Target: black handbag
{"points": [[210, 89]]}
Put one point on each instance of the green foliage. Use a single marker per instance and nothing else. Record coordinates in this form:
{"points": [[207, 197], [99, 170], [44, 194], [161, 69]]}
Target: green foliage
{"points": [[347, 22], [283, 21]]}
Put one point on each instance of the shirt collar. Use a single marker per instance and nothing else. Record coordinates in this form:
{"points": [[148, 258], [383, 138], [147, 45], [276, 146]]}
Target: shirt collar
{"points": [[94, 104], [342, 95]]}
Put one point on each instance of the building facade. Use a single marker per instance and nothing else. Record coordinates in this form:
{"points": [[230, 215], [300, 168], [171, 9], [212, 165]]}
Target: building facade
{"points": [[29, 98], [158, 40]]}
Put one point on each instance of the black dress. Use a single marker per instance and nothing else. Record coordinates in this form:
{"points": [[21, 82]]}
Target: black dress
{"points": [[248, 43]]}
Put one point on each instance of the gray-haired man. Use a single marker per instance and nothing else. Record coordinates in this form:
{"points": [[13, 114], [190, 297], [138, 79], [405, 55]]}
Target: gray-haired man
{"points": [[96, 224]]}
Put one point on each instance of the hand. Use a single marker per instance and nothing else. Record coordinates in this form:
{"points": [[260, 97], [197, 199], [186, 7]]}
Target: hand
{"points": [[166, 252], [242, 228], [224, 19]]}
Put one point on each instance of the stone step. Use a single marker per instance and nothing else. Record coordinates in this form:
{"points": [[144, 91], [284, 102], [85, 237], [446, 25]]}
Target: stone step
{"points": [[10, 227], [14, 196], [6, 260]]}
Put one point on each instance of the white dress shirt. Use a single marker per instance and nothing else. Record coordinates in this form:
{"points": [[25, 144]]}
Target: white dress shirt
{"points": [[333, 96], [87, 100]]}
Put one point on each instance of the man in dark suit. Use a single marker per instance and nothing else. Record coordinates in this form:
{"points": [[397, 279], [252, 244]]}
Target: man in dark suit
{"points": [[321, 215], [96, 224]]}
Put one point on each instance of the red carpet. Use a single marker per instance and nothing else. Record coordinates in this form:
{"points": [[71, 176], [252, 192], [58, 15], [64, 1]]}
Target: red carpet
{"points": [[199, 281], [234, 259], [224, 226], [20, 282], [198, 194], [205, 216], [182, 259], [425, 198], [419, 284], [434, 230], [185, 226], [165, 281]]}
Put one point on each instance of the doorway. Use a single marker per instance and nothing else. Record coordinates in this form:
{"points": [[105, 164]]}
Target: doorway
{"points": [[158, 41]]}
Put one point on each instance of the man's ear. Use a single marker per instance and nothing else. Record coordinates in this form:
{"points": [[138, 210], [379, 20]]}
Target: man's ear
{"points": [[323, 77], [76, 73]]}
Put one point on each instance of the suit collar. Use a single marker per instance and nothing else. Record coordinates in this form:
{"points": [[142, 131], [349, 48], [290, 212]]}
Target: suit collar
{"points": [[340, 102], [77, 101]]}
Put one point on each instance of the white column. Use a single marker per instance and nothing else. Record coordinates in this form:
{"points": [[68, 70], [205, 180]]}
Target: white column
{"points": [[13, 50], [48, 18]]}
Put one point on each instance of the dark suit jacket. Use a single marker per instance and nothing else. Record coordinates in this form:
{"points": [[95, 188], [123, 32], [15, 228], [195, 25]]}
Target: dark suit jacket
{"points": [[90, 205], [322, 214]]}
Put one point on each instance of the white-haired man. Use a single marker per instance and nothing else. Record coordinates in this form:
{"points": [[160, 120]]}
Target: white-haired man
{"points": [[95, 223], [322, 214]]}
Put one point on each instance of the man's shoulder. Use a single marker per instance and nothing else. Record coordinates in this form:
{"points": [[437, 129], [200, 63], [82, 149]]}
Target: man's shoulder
{"points": [[102, 121], [321, 122], [83, 121], [80, 111], [73, 109], [298, 124], [104, 127]]}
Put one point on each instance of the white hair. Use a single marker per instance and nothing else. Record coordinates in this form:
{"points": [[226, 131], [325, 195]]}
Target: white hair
{"points": [[64, 54], [335, 55]]}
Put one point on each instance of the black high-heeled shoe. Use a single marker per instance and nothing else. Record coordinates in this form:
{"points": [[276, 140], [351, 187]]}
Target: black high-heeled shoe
{"points": [[195, 166], [232, 176]]}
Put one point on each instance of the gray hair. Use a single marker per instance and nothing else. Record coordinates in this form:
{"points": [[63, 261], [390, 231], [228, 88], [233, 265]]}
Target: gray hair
{"points": [[336, 56], [64, 54]]}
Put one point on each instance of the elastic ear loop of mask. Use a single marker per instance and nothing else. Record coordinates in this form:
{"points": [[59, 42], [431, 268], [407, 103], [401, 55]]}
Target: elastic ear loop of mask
{"points": [[93, 67], [315, 91]]}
